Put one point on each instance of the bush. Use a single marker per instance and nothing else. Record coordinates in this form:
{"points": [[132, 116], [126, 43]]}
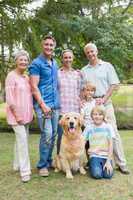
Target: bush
{"points": [[122, 100], [129, 81], [124, 119]]}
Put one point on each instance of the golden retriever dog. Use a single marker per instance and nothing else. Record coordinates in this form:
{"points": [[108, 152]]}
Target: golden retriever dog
{"points": [[72, 149]]}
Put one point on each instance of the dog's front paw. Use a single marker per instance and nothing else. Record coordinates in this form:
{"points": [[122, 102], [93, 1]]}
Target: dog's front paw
{"points": [[82, 171], [69, 176], [56, 170]]}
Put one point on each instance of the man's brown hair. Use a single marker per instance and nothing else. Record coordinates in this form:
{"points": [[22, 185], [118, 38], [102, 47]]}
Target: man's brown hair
{"points": [[49, 37]]}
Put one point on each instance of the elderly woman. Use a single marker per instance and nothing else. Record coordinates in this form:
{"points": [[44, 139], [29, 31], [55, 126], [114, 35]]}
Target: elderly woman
{"points": [[69, 89], [19, 112]]}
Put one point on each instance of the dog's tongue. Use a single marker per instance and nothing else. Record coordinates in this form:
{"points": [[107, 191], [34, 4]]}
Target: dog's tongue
{"points": [[71, 130]]}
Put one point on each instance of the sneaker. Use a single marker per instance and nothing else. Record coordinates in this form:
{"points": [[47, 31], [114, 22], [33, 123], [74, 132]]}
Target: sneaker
{"points": [[25, 179], [44, 172], [124, 170], [16, 169]]}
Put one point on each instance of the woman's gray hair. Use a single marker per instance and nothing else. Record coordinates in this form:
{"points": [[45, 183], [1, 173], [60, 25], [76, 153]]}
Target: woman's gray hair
{"points": [[90, 45], [21, 53]]}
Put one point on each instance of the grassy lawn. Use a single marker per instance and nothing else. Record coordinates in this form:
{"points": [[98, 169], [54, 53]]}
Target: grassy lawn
{"points": [[56, 186]]}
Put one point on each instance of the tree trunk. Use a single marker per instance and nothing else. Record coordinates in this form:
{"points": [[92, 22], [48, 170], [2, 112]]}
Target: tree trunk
{"points": [[2, 64]]}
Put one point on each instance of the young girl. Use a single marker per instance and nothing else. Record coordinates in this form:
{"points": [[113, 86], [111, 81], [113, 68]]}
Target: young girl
{"points": [[100, 135]]}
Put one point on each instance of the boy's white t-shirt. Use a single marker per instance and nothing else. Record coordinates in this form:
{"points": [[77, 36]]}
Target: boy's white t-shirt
{"points": [[86, 111]]}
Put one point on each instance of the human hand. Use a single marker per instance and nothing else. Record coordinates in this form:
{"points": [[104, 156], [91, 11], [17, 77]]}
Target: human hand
{"points": [[108, 167], [19, 120], [47, 112], [17, 116], [82, 102], [46, 109]]}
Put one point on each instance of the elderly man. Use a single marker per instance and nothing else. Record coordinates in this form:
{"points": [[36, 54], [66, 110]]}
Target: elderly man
{"points": [[102, 74], [43, 78]]}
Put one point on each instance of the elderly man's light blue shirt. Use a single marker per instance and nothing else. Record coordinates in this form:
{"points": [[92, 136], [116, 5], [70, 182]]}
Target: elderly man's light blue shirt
{"points": [[103, 75], [48, 84]]}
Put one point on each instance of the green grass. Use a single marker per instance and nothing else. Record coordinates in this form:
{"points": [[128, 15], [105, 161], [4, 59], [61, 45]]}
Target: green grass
{"points": [[56, 186]]}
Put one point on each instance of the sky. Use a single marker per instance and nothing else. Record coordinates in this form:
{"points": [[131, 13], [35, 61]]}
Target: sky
{"points": [[35, 4], [38, 3]]}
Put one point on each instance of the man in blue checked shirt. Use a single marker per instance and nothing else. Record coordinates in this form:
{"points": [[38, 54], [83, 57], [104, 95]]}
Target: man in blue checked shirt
{"points": [[43, 79]]}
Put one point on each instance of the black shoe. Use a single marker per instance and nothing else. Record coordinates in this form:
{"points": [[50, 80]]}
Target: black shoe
{"points": [[124, 170]]}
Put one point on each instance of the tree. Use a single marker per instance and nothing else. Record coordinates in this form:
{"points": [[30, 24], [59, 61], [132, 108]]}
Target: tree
{"points": [[13, 25], [105, 22], [108, 23]]}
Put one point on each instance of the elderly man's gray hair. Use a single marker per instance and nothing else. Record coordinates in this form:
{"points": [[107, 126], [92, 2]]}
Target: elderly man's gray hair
{"points": [[90, 45], [21, 53]]}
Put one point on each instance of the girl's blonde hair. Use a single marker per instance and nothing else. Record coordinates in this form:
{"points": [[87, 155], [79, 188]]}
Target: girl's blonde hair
{"points": [[100, 110], [65, 51], [87, 86]]}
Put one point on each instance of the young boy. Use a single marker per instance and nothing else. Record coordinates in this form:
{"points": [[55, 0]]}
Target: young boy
{"points": [[88, 102], [100, 135]]}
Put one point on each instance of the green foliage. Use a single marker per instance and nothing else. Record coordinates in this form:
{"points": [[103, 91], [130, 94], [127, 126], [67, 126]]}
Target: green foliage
{"points": [[123, 104], [74, 23], [125, 119], [13, 28], [129, 81]]}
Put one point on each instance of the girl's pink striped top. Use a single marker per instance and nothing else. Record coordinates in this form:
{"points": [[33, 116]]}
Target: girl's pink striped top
{"points": [[18, 94]]}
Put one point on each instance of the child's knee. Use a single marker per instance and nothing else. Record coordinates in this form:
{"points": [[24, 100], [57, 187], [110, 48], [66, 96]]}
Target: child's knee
{"points": [[96, 173]]}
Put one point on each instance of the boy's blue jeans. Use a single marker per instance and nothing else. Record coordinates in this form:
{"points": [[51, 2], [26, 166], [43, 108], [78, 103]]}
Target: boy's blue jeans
{"points": [[48, 128], [96, 165]]}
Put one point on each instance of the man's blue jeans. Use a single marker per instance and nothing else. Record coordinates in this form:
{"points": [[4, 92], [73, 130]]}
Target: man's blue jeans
{"points": [[96, 165], [48, 127]]}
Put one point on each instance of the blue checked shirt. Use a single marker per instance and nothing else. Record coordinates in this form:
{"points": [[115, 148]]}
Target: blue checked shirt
{"points": [[48, 84]]}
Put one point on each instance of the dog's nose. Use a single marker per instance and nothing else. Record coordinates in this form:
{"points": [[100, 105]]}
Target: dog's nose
{"points": [[71, 124]]}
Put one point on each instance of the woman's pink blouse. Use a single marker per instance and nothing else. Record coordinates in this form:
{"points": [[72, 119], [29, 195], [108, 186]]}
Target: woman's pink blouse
{"points": [[18, 94]]}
